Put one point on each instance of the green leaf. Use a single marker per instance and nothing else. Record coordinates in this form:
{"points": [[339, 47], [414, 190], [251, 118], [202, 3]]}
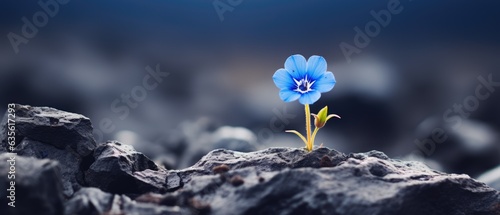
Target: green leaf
{"points": [[323, 113]]}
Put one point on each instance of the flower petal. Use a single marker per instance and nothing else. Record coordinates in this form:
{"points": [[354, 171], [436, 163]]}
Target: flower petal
{"points": [[288, 95], [283, 79], [325, 83], [297, 66], [310, 97], [316, 66]]}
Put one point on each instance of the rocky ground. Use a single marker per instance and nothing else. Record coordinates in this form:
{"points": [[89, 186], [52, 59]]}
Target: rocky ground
{"points": [[60, 169]]}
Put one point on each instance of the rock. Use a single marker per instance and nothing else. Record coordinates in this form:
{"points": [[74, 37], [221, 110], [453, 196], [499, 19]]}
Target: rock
{"points": [[491, 178], [38, 188], [471, 148], [234, 138], [291, 181], [119, 169], [150, 198], [237, 180], [51, 126], [174, 181], [220, 169], [4, 147], [69, 162], [200, 139], [92, 201], [268, 160], [44, 132]]}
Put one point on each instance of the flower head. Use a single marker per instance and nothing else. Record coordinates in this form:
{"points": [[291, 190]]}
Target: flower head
{"points": [[303, 80]]}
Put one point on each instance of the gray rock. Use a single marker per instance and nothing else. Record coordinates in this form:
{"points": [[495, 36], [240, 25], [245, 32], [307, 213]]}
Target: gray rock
{"points": [[292, 181], [202, 136], [234, 138], [193, 140], [92, 201], [51, 126], [44, 132], [491, 178], [118, 168], [268, 160], [174, 181], [38, 188], [472, 148], [69, 162]]}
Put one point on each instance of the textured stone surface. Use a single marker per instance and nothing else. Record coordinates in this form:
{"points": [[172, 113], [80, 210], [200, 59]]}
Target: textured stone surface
{"points": [[51, 126], [118, 168], [44, 132], [38, 187], [3, 133], [291, 181], [69, 162], [272, 159], [92, 201]]}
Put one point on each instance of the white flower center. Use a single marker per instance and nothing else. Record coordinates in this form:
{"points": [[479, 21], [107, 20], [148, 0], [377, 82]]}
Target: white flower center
{"points": [[303, 85]]}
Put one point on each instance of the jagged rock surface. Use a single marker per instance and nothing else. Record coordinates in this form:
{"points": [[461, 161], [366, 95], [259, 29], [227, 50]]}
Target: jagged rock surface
{"points": [[51, 126], [272, 159], [44, 132], [92, 201], [292, 181], [118, 168], [69, 162], [38, 187]]}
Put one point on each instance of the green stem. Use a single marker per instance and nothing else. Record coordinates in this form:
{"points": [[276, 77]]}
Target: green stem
{"points": [[314, 136], [308, 128]]}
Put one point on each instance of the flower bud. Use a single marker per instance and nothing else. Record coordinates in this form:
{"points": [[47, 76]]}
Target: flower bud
{"points": [[322, 117]]}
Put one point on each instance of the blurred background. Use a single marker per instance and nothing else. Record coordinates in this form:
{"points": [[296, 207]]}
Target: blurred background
{"points": [[86, 56]]}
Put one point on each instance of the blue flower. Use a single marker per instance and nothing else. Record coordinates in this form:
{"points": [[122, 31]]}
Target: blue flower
{"points": [[303, 80]]}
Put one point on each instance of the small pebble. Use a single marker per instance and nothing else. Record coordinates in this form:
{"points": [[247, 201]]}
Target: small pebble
{"points": [[149, 198], [220, 169], [237, 180], [261, 179], [201, 207]]}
